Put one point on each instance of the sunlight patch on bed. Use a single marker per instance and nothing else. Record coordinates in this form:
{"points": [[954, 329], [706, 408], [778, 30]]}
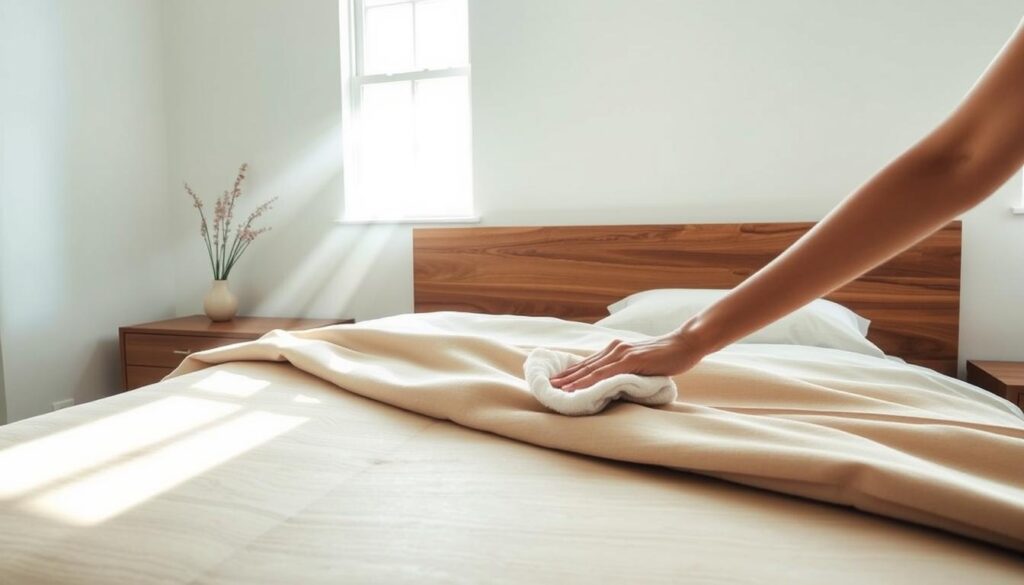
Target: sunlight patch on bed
{"points": [[34, 464], [302, 398], [230, 384], [341, 365], [113, 491]]}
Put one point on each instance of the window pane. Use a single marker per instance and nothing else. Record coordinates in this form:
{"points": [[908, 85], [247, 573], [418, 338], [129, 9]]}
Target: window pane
{"points": [[388, 39], [443, 162], [386, 150], [441, 34], [414, 157]]}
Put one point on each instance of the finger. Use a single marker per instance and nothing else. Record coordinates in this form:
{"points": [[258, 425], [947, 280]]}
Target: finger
{"points": [[588, 360], [570, 377], [568, 374], [613, 363], [596, 376], [580, 373], [594, 359]]}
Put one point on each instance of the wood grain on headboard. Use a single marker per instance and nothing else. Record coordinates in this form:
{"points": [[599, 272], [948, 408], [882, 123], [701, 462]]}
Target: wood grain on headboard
{"points": [[574, 272]]}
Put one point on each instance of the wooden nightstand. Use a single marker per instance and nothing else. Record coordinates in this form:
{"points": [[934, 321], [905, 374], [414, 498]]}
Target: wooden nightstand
{"points": [[151, 350], [1005, 379]]}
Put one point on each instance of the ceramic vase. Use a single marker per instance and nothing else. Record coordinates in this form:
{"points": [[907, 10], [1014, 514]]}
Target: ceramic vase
{"points": [[220, 303]]}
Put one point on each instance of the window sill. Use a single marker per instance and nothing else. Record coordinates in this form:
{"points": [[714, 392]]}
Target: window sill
{"points": [[404, 220]]}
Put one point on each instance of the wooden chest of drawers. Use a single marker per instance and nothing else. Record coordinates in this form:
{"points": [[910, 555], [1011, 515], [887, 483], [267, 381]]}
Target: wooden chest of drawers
{"points": [[151, 350]]}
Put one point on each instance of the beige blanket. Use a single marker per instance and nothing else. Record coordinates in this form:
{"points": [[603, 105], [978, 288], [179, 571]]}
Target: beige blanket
{"points": [[874, 434]]}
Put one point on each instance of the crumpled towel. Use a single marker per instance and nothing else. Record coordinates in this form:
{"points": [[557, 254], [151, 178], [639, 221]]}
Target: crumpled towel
{"points": [[542, 363]]}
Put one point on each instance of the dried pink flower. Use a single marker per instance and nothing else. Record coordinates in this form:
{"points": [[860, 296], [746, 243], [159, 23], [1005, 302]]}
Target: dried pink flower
{"points": [[237, 191], [223, 257], [196, 201], [248, 234]]}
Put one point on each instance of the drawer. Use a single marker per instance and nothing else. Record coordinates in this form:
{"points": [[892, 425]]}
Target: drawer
{"points": [[139, 376], [166, 351]]}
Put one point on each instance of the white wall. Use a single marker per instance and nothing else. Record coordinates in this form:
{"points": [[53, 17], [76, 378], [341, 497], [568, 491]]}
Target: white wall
{"points": [[83, 239], [4, 48], [258, 81], [585, 111], [3, 392], [588, 111]]}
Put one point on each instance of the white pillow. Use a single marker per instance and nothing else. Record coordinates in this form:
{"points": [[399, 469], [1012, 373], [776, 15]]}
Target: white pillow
{"points": [[820, 323]]}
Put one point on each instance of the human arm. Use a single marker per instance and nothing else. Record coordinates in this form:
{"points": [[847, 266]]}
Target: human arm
{"points": [[952, 169]]}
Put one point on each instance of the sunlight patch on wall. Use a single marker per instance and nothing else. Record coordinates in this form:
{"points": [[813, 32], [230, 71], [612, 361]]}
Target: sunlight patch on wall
{"points": [[306, 175], [340, 289], [332, 272]]}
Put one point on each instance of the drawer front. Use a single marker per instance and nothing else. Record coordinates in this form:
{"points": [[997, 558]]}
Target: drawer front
{"points": [[166, 351], [139, 376]]}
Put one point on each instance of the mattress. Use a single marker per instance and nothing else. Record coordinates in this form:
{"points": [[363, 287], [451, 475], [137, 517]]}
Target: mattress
{"points": [[261, 472]]}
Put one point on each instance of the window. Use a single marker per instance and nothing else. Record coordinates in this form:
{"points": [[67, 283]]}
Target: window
{"points": [[407, 112]]}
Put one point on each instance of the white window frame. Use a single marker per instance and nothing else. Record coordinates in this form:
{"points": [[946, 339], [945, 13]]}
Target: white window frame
{"points": [[352, 81]]}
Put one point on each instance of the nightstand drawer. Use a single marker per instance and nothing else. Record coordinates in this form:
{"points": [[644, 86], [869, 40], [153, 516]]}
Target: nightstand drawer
{"points": [[166, 351], [138, 376], [149, 351]]}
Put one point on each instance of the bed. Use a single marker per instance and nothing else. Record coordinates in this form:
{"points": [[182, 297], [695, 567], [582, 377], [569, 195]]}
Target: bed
{"points": [[253, 465]]}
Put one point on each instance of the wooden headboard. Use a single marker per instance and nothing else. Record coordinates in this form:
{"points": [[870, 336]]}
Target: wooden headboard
{"points": [[575, 272]]}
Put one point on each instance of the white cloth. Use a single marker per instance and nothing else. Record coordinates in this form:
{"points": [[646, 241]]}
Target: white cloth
{"points": [[543, 363]]}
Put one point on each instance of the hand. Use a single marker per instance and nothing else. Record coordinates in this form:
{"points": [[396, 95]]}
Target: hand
{"points": [[666, 355]]}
